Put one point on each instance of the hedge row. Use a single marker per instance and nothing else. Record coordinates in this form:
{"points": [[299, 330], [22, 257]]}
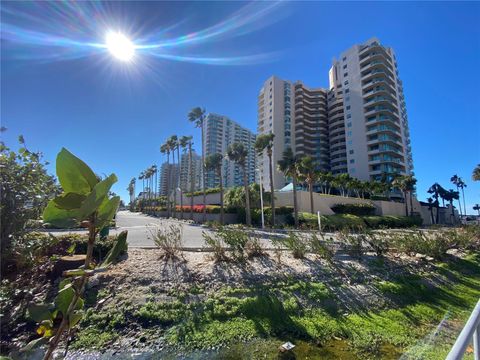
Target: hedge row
{"points": [[354, 209], [348, 221]]}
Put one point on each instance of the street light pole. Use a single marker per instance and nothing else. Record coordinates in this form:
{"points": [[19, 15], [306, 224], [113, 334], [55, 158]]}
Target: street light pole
{"points": [[261, 199]]}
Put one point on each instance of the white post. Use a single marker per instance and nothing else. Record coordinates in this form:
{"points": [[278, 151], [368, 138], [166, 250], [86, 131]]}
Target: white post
{"points": [[319, 221]]}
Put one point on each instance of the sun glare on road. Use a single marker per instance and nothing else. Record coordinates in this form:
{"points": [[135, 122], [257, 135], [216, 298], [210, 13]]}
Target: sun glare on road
{"points": [[120, 46]]}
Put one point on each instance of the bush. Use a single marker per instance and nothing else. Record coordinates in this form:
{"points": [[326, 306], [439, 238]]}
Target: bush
{"points": [[390, 221], [169, 239], [235, 238], [342, 222], [321, 247], [296, 244], [377, 242], [200, 192], [354, 209], [434, 244], [217, 245], [254, 247], [353, 242]]}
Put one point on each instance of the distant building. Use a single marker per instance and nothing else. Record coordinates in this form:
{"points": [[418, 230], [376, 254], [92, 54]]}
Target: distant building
{"points": [[167, 181], [185, 178], [220, 132]]}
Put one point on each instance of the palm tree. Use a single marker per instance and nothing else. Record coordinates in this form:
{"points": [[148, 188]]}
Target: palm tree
{"points": [[341, 182], [288, 166], [214, 162], [237, 153], [477, 207], [197, 116], [437, 191], [476, 173], [460, 184], [165, 149], [451, 195], [325, 180], [306, 170], [131, 192], [402, 183], [262, 143], [172, 144], [410, 183], [184, 143]]}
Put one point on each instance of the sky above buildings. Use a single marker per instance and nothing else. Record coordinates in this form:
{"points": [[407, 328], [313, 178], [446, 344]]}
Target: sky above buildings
{"points": [[61, 87]]}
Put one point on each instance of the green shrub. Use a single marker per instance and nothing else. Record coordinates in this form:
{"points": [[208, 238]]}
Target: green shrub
{"points": [[377, 242], [200, 192], [342, 221], [215, 242], [390, 221], [322, 247], [434, 243], [168, 238], [354, 209], [235, 238], [353, 242], [296, 244]]}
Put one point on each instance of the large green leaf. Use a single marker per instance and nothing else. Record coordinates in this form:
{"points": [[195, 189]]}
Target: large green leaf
{"points": [[69, 201], [64, 298], [39, 312], [97, 196], [73, 174], [60, 217], [107, 210], [120, 245]]}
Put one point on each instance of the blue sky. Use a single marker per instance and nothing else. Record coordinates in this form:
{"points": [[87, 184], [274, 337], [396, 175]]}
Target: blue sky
{"points": [[115, 115]]}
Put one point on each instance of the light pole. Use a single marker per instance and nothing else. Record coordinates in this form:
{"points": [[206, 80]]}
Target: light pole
{"points": [[261, 198]]}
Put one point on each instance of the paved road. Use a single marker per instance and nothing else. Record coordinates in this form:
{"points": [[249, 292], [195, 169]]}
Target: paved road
{"points": [[139, 228]]}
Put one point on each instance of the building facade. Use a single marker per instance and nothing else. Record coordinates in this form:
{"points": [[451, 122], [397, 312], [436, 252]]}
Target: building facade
{"points": [[185, 177], [220, 132], [168, 178], [359, 125]]}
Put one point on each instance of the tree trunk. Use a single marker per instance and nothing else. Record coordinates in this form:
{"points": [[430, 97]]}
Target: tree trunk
{"points": [[406, 202], [203, 176], [272, 191], [459, 202], [178, 183], [411, 202], [174, 206], [222, 211], [464, 206], [437, 216], [248, 217], [168, 185], [310, 189], [295, 207], [431, 215], [192, 179]]}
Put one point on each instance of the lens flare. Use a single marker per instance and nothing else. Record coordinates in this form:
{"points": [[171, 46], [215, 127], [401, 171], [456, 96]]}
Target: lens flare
{"points": [[63, 31], [120, 46]]}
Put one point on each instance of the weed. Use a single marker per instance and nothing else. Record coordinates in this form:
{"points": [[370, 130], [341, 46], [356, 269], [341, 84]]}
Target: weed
{"points": [[168, 237], [296, 244], [323, 248]]}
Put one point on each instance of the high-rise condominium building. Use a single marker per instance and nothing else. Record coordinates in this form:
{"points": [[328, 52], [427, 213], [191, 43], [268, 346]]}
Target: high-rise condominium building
{"points": [[185, 176], [220, 132], [358, 125], [168, 178]]}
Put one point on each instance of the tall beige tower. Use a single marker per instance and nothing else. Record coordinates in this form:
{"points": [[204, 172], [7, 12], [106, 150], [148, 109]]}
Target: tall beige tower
{"points": [[358, 125]]}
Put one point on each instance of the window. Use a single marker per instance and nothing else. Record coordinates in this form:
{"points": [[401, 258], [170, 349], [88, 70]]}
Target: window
{"points": [[350, 142], [270, 83], [346, 82], [349, 124], [345, 74], [350, 152], [349, 133], [348, 107], [270, 96], [344, 58], [352, 170], [348, 116], [347, 98], [270, 103], [345, 66], [352, 161], [346, 91]]}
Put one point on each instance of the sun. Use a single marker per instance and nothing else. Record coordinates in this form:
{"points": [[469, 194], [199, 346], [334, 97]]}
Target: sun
{"points": [[121, 47]]}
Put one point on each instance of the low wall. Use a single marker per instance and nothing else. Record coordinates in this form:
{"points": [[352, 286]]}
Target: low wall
{"points": [[198, 217], [211, 199]]}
